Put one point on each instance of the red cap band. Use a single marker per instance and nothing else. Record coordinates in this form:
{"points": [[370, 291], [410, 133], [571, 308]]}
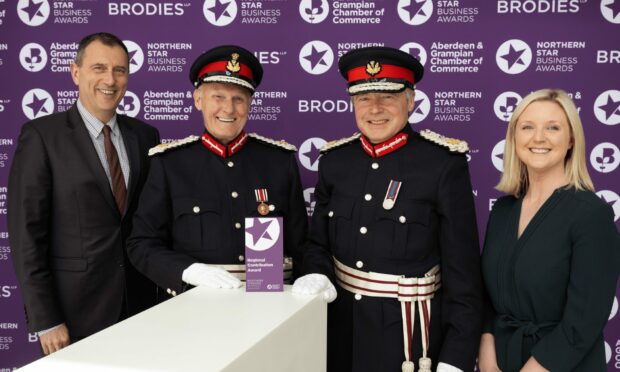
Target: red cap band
{"points": [[387, 71], [220, 66]]}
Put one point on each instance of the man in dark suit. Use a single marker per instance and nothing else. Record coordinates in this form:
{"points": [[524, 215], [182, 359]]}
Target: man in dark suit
{"points": [[394, 229], [73, 189], [189, 226]]}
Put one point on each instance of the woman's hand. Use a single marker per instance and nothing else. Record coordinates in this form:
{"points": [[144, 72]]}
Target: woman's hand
{"points": [[487, 360]]}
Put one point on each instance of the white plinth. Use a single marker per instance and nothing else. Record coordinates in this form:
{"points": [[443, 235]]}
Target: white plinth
{"points": [[207, 330]]}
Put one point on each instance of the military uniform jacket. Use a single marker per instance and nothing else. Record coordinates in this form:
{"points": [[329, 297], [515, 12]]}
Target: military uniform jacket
{"points": [[195, 202], [552, 288], [432, 222]]}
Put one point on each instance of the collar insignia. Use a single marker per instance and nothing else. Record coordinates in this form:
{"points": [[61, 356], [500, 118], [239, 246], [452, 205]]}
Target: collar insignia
{"points": [[224, 151], [386, 147]]}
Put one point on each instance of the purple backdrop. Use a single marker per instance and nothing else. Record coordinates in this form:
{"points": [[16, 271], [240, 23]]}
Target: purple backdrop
{"points": [[480, 60]]}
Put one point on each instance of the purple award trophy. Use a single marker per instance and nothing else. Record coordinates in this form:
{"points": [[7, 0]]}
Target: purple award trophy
{"points": [[264, 245]]}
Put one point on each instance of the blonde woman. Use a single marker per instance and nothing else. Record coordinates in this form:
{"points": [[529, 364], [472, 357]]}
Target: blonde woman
{"points": [[552, 250]]}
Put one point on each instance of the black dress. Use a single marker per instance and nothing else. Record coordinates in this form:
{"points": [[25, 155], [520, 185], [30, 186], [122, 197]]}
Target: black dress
{"points": [[551, 289]]}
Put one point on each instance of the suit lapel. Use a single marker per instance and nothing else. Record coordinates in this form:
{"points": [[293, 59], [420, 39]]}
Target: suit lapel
{"points": [[133, 153], [85, 145]]}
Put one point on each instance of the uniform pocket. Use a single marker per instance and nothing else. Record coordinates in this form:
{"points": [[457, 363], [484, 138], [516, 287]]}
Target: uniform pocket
{"points": [[403, 231], [197, 223], [339, 212]]}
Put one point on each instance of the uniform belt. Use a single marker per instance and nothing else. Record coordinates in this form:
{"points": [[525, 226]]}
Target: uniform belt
{"points": [[238, 271], [407, 291]]}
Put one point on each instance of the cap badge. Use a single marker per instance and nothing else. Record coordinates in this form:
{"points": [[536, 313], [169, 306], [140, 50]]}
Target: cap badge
{"points": [[373, 68], [233, 65]]}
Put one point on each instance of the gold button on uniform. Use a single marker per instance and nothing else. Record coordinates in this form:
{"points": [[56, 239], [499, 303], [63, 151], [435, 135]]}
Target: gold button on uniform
{"points": [[331, 213], [359, 264], [363, 230], [230, 164], [237, 225], [374, 166], [234, 194], [196, 209]]}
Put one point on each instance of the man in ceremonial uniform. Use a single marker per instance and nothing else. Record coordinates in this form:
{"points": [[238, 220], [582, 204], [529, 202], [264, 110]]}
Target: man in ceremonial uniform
{"points": [[189, 226], [393, 236]]}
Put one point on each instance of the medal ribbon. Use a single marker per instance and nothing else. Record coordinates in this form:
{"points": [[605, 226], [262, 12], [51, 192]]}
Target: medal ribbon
{"points": [[261, 195], [392, 191]]}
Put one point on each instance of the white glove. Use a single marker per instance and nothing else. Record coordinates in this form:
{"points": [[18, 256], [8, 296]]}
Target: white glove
{"points": [[215, 277], [315, 284]]}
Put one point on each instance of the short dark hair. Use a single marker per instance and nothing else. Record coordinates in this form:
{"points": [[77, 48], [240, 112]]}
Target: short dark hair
{"points": [[105, 38]]}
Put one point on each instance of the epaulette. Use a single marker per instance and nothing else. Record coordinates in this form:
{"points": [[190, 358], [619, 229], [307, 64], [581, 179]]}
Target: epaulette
{"points": [[281, 143], [337, 143], [455, 145], [163, 147]]}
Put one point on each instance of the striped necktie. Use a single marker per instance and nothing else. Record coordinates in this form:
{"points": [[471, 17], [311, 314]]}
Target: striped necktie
{"points": [[118, 181]]}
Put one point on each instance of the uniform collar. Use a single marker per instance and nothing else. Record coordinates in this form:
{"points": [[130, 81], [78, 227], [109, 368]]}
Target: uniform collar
{"points": [[386, 147], [222, 150]]}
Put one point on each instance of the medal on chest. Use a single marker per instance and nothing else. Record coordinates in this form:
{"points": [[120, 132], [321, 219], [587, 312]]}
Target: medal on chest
{"points": [[391, 194], [262, 198]]}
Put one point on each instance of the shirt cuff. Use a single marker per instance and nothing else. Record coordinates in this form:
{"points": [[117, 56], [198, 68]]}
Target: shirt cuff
{"points": [[41, 333], [443, 367]]}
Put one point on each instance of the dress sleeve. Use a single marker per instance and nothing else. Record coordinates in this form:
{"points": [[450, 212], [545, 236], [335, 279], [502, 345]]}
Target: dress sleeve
{"points": [[488, 310], [594, 270]]}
